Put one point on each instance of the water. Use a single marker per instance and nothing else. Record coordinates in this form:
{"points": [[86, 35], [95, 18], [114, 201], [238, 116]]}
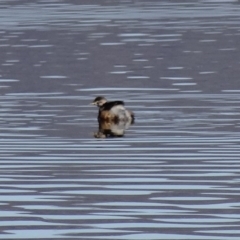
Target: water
{"points": [[174, 174]]}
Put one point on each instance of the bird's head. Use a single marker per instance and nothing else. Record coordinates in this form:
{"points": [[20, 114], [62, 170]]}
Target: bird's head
{"points": [[99, 101]]}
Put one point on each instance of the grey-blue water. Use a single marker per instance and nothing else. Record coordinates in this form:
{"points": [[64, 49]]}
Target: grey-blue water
{"points": [[175, 174]]}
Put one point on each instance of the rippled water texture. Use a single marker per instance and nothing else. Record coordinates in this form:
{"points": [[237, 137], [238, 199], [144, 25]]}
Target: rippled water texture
{"points": [[175, 174]]}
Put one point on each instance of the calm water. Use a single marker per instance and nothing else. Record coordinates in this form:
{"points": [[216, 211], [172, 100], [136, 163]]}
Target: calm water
{"points": [[176, 172]]}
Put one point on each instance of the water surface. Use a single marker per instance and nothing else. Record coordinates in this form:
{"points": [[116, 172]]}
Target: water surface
{"points": [[175, 172]]}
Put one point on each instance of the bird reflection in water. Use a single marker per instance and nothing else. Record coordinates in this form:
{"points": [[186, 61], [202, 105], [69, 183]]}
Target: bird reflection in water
{"points": [[113, 118]]}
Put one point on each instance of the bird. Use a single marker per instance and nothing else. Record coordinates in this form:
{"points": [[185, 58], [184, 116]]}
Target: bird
{"points": [[111, 129], [112, 111]]}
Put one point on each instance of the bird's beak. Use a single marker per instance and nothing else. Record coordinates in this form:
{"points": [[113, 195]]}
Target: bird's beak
{"points": [[93, 103]]}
